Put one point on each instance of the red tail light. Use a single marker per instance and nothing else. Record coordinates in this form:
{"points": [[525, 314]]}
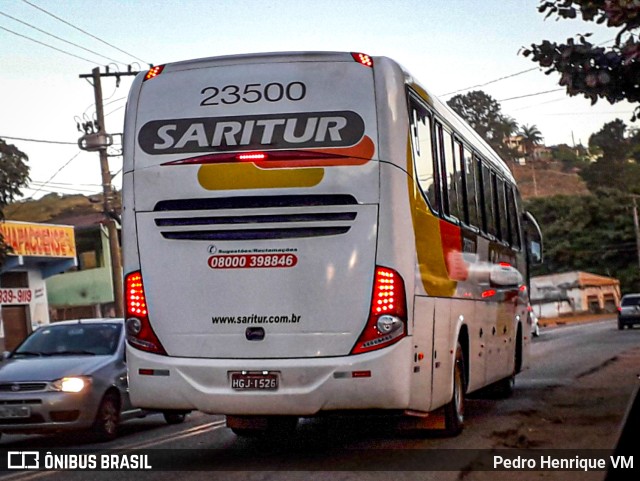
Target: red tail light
{"points": [[154, 72], [388, 314], [139, 331], [362, 58]]}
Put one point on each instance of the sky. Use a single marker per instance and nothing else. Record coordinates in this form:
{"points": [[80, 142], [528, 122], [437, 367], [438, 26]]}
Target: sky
{"points": [[450, 46]]}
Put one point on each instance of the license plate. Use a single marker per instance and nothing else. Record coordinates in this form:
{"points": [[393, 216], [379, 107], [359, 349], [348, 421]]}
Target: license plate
{"points": [[254, 381], [13, 412]]}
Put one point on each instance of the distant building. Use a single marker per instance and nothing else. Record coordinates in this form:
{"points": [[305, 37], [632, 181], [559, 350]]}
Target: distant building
{"points": [[516, 143], [88, 290], [576, 292], [39, 251], [541, 153]]}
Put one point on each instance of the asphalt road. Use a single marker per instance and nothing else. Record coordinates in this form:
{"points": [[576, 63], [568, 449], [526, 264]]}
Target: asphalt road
{"points": [[361, 448]]}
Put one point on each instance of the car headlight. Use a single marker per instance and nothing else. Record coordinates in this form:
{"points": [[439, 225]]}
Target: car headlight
{"points": [[71, 384]]}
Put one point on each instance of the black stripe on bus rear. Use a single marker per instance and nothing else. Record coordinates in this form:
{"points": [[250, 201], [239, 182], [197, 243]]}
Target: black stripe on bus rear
{"points": [[256, 219], [254, 202], [255, 234]]}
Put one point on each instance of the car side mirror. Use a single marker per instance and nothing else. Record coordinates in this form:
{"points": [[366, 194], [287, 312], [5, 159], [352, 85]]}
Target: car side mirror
{"points": [[5, 355]]}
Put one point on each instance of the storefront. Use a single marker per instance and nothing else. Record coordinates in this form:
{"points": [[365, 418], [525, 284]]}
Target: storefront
{"points": [[39, 251]]}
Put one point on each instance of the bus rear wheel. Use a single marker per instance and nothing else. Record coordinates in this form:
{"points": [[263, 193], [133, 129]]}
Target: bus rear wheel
{"points": [[454, 410]]}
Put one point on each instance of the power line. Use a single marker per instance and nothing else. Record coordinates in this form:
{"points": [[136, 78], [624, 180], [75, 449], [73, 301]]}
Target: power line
{"points": [[67, 189], [63, 184], [47, 45], [492, 81], [115, 110], [510, 75], [531, 95], [51, 191], [56, 173], [38, 140], [83, 31], [59, 38]]}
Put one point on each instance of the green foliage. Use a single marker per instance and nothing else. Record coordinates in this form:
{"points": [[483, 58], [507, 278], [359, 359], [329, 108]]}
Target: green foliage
{"points": [[596, 72], [531, 137], [617, 166], [484, 114], [592, 233], [51, 206], [14, 174], [569, 157]]}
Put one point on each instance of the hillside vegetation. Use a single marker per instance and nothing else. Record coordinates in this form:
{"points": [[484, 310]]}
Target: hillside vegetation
{"points": [[52, 206], [550, 180]]}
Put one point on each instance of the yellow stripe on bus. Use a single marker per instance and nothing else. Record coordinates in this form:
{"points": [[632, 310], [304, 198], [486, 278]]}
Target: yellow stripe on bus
{"points": [[248, 176], [429, 248]]}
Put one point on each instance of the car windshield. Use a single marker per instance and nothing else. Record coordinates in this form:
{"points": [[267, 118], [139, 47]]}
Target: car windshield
{"points": [[71, 339], [631, 301]]}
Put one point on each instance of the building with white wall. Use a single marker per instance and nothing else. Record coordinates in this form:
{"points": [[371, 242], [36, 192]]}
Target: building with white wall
{"points": [[38, 251], [575, 292]]}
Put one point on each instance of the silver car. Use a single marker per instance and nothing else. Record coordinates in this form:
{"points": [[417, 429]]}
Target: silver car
{"points": [[69, 375], [629, 311]]}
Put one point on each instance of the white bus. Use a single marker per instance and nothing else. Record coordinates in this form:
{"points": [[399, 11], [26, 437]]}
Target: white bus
{"points": [[314, 232]]}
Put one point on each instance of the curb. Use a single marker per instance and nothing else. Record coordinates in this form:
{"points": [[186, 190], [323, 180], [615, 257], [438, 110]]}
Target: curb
{"points": [[583, 319]]}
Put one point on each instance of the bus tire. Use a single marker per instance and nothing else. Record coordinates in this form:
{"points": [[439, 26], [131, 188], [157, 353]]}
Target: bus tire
{"points": [[504, 388], [174, 417], [454, 410]]}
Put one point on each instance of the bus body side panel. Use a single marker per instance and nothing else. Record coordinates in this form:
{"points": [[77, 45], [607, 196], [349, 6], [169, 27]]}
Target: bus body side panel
{"points": [[397, 244], [490, 322], [421, 379]]}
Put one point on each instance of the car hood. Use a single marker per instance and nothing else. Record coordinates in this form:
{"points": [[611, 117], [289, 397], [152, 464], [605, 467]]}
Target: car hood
{"points": [[49, 368]]}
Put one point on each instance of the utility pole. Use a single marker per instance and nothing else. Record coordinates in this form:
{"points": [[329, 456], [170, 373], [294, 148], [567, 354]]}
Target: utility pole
{"points": [[99, 141]]}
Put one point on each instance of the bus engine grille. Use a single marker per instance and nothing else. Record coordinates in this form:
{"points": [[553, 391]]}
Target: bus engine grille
{"points": [[279, 223]]}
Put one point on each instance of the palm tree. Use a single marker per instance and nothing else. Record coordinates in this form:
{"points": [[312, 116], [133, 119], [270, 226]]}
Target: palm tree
{"points": [[531, 137]]}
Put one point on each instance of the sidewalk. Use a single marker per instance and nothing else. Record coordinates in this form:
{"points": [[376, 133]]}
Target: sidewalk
{"points": [[577, 319], [585, 414]]}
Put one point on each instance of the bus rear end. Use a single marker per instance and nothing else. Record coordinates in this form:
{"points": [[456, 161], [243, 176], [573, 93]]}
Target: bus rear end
{"points": [[251, 202]]}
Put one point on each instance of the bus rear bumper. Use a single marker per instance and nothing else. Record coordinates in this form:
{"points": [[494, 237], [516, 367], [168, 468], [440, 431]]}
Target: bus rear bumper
{"points": [[375, 380]]}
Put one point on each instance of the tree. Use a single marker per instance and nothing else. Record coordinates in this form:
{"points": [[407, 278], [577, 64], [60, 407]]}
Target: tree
{"points": [[483, 113], [592, 233], [14, 174], [594, 71], [570, 157], [531, 137], [617, 166]]}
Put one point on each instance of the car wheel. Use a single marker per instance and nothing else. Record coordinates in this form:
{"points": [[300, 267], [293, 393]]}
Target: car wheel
{"points": [[454, 410], [174, 417], [105, 426], [620, 326]]}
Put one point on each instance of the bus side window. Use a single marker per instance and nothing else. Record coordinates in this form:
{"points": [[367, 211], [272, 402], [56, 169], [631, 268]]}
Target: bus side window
{"points": [[439, 163], [503, 223], [451, 177], [461, 181], [486, 196], [471, 189], [514, 225], [423, 153]]}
